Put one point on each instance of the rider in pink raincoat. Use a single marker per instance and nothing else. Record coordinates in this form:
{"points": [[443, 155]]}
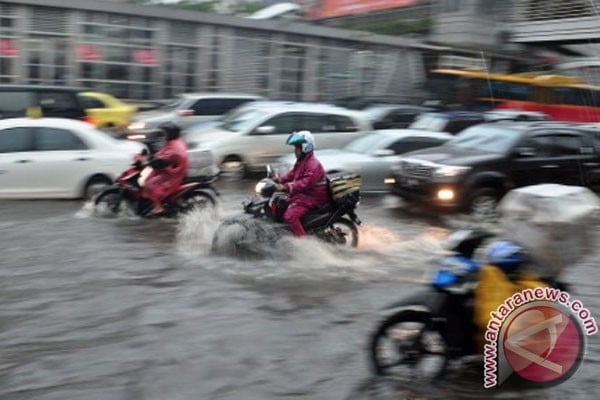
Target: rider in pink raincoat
{"points": [[169, 168], [306, 182]]}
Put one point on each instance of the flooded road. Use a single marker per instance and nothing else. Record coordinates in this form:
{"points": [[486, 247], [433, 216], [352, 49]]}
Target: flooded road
{"points": [[120, 309]]}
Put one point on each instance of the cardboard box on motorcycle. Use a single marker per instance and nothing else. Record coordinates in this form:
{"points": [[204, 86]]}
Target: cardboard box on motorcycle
{"points": [[554, 224]]}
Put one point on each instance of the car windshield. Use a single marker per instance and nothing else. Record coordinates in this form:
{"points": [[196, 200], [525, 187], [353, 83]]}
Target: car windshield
{"points": [[430, 122], [366, 144], [490, 139], [376, 113], [239, 122], [173, 104]]}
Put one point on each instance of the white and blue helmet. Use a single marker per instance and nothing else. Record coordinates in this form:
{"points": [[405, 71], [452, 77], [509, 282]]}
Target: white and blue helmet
{"points": [[506, 255], [305, 138]]}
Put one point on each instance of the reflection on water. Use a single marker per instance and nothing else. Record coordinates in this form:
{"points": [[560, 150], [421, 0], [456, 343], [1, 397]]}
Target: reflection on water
{"points": [[96, 308]]}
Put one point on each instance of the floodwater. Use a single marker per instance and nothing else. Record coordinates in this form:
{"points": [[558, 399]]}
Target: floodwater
{"points": [[131, 309]]}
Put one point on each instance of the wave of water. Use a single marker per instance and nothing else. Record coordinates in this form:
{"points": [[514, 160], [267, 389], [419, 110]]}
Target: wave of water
{"points": [[381, 253]]}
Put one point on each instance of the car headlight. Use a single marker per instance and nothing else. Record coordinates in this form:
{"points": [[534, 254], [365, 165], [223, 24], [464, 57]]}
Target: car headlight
{"points": [[136, 125], [450, 171]]}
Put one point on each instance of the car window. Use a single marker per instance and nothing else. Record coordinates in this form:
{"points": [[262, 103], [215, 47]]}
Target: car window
{"points": [[54, 102], [403, 116], [455, 126], [240, 122], [341, 123], [284, 123], [541, 145], [14, 104], [51, 139], [13, 140], [215, 106], [413, 143], [568, 145], [316, 123], [430, 122], [89, 102]]}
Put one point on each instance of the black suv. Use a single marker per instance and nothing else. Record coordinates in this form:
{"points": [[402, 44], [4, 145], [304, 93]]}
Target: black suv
{"points": [[53, 101], [475, 169]]}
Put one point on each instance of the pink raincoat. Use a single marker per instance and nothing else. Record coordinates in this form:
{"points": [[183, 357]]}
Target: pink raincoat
{"points": [[306, 184], [161, 183]]}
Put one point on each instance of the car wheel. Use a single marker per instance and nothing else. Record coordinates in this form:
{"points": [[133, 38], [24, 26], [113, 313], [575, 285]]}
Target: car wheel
{"points": [[483, 204], [233, 168], [94, 186]]}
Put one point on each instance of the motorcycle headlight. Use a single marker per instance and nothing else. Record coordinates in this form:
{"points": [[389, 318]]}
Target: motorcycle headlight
{"points": [[450, 171], [259, 187]]}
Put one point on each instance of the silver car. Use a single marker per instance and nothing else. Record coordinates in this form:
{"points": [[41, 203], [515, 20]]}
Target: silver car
{"points": [[186, 110], [256, 137], [373, 155]]}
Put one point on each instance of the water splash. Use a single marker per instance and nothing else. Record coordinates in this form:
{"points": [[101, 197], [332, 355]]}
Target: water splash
{"points": [[195, 231], [86, 211], [269, 254]]}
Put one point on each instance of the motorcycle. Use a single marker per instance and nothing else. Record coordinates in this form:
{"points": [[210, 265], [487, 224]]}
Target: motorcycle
{"points": [[429, 330], [127, 189], [262, 222]]}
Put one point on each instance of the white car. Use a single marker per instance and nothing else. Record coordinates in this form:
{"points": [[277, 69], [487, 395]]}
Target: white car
{"points": [[257, 137], [58, 158], [372, 156]]}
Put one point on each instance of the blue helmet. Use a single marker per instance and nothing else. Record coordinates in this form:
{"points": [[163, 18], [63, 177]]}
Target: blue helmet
{"points": [[305, 138], [505, 255]]}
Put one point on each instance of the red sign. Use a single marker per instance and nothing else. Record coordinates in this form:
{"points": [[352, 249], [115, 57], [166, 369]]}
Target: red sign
{"points": [[88, 52], [338, 8], [7, 49], [145, 56]]}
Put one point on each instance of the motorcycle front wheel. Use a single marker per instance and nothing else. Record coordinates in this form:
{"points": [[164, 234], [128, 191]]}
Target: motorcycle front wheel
{"points": [[108, 202], [408, 345], [342, 232]]}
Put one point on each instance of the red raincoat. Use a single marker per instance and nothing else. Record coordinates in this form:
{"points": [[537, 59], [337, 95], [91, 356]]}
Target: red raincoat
{"points": [[306, 184], [161, 183]]}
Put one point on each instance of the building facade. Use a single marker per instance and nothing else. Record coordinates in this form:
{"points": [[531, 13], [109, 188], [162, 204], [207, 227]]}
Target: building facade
{"points": [[153, 52]]}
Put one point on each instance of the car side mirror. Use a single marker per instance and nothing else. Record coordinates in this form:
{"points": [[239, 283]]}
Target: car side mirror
{"points": [[264, 130], [525, 151], [384, 153]]}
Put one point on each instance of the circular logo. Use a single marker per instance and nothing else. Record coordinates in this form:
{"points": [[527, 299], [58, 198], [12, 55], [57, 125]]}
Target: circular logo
{"points": [[543, 343]]}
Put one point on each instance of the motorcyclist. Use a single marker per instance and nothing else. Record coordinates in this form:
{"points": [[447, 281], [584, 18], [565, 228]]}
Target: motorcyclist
{"points": [[305, 183], [169, 165]]}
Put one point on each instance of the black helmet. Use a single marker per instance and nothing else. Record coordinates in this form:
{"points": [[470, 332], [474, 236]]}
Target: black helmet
{"points": [[172, 131]]}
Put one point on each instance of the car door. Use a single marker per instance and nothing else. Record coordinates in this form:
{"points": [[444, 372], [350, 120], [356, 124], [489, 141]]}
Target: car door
{"points": [[571, 152], [532, 161], [63, 162], [17, 162]]}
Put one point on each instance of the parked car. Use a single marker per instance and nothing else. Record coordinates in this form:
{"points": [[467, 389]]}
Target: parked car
{"points": [[257, 136], [47, 101], [372, 156], [475, 169], [186, 110], [393, 116], [106, 111], [58, 158]]}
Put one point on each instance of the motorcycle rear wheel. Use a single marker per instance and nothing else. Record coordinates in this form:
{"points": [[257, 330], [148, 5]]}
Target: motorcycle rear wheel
{"points": [[408, 345], [342, 232], [108, 202]]}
